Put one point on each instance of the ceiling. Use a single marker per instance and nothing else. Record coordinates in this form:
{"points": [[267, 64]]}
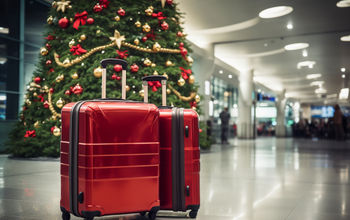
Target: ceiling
{"points": [[245, 41]]}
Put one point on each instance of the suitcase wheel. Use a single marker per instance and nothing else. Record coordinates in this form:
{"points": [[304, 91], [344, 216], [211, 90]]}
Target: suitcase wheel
{"points": [[152, 214], [142, 213], [193, 213], [65, 216]]}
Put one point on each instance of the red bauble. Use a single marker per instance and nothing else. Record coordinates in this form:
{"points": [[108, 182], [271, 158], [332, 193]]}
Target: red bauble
{"points": [[114, 76], [144, 39], [121, 12], [118, 68], [46, 104], [67, 92], [48, 46], [200, 130], [63, 22], [134, 68], [48, 62], [169, 2], [90, 20], [51, 90], [179, 34], [119, 78], [37, 80], [77, 89], [165, 26], [52, 128], [51, 70], [97, 8], [181, 44]]}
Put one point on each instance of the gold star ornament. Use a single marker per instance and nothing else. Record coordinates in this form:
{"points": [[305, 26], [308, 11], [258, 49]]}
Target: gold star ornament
{"points": [[62, 5], [117, 38]]}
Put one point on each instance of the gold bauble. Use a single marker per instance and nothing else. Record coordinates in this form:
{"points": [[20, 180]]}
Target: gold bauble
{"points": [[71, 43], [156, 47], [138, 24], [197, 98], [168, 91], [36, 124], [60, 103], [142, 93], [66, 61], [28, 102], [56, 131], [98, 31], [189, 60], [35, 94], [155, 73], [169, 63], [153, 65], [166, 75], [75, 76], [127, 88], [147, 62], [146, 28], [50, 20], [191, 79], [98, 72], [136, 41], [71, 20], [44, 51], [181, 82], [117, 18], [149, 11], [83, 37], [59, 78]]}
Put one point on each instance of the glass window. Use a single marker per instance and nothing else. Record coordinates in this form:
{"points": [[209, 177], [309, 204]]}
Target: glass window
{"points": [[9, 48], [9, 18], [35, 19], [9, 70]]}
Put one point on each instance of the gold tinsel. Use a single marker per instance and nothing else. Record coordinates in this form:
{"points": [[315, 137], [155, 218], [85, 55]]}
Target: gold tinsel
{"points": [[183, 98]]}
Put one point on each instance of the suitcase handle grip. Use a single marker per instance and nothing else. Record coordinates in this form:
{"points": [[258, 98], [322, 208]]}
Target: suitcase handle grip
{"points": [[147, 79], [113, 61]]}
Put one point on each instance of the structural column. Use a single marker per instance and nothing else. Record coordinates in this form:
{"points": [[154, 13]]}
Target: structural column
{"points": [[245, 127], [281, 106]]}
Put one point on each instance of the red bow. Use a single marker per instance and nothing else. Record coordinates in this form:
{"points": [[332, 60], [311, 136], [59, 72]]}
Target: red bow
{"points": [[185, 73], [122, 54], [30, 134], [104, 3], [41, 98], [50, 37], [158, 15], [154, 85], [151, 36], [80, 18], [77, 50]]}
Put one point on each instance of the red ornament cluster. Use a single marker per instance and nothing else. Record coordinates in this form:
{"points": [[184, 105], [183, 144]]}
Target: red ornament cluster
{"points": [[165, 26], [122, 54], [30, 133], [134, 68], [121, 12]]}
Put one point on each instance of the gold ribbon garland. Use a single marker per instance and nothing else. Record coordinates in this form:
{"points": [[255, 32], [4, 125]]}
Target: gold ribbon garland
{"points": [[183, 98], [52, 109]]}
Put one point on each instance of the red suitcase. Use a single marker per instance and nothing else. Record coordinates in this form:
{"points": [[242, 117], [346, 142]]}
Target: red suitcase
{"points": [[179, 155], [109, 156]]}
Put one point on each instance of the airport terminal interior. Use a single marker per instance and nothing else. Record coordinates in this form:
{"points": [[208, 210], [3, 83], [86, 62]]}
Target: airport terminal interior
{"points": [[273, 97]]}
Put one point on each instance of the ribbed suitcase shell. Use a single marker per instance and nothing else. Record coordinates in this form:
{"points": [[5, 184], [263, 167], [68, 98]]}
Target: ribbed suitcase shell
{"points": [[191, 161], [118, 157]]}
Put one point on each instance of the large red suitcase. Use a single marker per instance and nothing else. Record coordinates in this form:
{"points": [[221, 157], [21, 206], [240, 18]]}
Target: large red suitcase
{"points": [[109, 156], [179, 155]]}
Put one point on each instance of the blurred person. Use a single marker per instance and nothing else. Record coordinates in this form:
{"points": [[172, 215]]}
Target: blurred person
{"points": [[225, 118], [338, 123]]}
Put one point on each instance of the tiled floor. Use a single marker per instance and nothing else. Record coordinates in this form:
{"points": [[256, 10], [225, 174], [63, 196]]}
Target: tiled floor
{"points": [[272, 179]]}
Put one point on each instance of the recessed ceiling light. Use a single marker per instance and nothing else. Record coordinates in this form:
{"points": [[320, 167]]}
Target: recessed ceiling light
{"points": [[305, 54], [320, 91], [344, 93], [317, 83], [296, 46], [230, 76], [221, 72], [275, 12], [343, 76], [4, 30], [313, 76], [343, 69], [307, 63], [289, 26], [343, 4], [345, 38]]}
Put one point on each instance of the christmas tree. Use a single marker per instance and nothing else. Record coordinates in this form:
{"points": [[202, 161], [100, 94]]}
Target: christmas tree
{"points": [[79, 34]]}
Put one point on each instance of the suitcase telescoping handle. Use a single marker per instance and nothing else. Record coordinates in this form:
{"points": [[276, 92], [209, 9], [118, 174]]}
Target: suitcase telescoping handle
{"points": [[113, 61], [147, 79]]}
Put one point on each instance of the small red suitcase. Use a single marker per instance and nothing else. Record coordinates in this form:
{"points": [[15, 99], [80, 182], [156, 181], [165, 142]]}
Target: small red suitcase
{"points": [[179, 155], [109, 156]]}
